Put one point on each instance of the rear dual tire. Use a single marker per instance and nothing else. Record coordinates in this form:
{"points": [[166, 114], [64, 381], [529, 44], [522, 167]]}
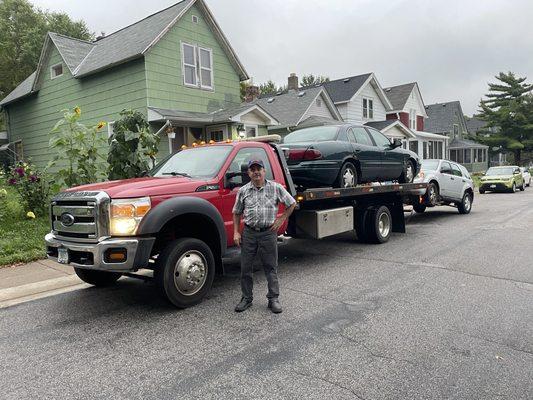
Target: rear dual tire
{"points": [[374, 225]]}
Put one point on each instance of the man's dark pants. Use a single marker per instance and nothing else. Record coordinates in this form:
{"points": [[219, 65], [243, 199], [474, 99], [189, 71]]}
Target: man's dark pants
{"points": [[263, 245]]}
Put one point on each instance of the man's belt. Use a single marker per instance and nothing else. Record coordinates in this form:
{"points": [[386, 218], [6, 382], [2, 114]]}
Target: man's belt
{"points": [[257, 229]]}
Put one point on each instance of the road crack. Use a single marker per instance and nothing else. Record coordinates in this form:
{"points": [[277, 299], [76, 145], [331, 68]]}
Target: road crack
{"points": [[331, 383], [528, 352]]}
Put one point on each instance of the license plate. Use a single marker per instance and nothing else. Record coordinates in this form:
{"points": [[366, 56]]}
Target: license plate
{"points": [[492, 186], [62, 255]]}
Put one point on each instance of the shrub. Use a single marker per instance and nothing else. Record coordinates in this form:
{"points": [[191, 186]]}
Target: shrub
{"points": [[31, 185], [79, 146], [132, 147]]}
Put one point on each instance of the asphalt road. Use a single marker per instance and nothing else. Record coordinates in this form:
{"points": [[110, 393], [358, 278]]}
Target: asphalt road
{"points": [[443, 312]]}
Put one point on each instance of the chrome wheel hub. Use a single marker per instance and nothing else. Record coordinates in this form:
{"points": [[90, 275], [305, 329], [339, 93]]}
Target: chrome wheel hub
{"points": [[384, 224], [432, 195], [190, 273], [348, 178], [468, 203]]}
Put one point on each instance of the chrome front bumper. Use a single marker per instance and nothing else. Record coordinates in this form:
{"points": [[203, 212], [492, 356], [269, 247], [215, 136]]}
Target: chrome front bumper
{"points": [[91, 255]]}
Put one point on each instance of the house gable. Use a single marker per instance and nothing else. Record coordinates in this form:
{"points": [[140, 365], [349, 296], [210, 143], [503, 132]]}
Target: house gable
{"points": [[370, 91], [321, 106], [165, 71]]}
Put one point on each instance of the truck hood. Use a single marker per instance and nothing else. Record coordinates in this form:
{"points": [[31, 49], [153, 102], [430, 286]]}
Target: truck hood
{"points": [[141, 187]]}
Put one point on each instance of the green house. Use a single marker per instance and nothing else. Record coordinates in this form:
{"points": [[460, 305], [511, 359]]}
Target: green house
{"points": [[175, 66]]}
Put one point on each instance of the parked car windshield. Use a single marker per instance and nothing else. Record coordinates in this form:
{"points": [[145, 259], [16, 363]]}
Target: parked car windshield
{"points": [[430, 165], [200, 162], [316, 134], [500, 171]]}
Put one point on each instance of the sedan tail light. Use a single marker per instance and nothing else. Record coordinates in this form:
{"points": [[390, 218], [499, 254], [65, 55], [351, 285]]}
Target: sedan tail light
{"points": [[304, 154]]}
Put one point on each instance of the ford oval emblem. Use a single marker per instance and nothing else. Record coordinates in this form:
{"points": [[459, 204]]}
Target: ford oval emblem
{"points": [[67, 219]]}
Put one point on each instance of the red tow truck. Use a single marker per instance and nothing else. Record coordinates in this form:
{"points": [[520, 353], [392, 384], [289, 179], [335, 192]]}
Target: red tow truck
{"points": [[178, 221]]}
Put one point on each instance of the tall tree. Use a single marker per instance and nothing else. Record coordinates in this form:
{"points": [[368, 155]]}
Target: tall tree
{"points": [[268, 87], [22, 31], [509, 108], [311, 80]]}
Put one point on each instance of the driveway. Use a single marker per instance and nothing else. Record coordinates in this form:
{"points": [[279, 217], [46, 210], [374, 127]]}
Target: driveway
{"points": [[444, 311]]}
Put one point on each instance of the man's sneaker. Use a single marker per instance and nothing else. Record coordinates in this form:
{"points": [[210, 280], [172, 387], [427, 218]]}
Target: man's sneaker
{"points": [[243, 305], [274, 306]]}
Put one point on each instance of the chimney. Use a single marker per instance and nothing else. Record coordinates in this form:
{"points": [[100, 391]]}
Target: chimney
{"points": [[251, 93], [293, 82], [102, 35]]}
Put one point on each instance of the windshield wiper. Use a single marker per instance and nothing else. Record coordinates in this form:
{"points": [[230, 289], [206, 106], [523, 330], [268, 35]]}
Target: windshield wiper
{"points": [[177, 174]]}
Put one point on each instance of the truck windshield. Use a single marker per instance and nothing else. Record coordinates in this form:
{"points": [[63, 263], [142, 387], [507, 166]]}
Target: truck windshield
{"points": [[199, 162], [316, 134], [500, 171]]}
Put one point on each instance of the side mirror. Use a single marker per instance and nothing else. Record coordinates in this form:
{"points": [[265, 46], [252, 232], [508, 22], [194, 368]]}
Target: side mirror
{"points": [[228, 179], [396, 143], [517, 172]]}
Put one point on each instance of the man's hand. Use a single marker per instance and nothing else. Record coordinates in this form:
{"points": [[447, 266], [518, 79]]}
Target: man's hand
{"points": [[277, 223], [237, 238]]}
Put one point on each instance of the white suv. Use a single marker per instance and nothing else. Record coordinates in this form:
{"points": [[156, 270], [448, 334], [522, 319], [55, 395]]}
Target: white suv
{"points": [[449, 184], [526, 175]]}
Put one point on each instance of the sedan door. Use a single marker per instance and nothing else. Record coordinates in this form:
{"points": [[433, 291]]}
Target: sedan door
{"points": [[364, 150], [392, 161]]}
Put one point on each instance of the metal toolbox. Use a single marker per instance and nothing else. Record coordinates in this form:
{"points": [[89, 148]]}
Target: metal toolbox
{"points": [[323, 223]]}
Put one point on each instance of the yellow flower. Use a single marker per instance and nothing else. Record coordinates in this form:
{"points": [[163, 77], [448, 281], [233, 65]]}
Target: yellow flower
{"points": [[77, 111], [30, 214], [100, 125], [3, 193]]}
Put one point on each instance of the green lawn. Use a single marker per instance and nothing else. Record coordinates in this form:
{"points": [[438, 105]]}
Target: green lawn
{"points": [[21, 238]]}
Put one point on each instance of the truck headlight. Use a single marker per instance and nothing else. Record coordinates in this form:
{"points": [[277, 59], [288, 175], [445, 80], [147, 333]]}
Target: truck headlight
{"points": [[126, 214]]}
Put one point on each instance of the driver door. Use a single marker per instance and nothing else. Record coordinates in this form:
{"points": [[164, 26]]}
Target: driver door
{"points": [[239, 165]]}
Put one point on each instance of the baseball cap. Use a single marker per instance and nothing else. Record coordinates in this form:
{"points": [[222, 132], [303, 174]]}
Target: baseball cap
{"points": [[256, 161]]}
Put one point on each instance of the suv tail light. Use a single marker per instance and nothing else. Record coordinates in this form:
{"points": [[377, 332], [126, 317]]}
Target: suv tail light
{"points": [[304, 154]]}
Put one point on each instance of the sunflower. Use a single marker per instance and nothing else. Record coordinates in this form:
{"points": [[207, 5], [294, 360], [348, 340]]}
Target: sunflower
{"points": [[30, 215], [100, 125], [77, 111]]}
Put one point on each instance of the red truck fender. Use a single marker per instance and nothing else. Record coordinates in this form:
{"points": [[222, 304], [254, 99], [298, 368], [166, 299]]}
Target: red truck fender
{"points": [[177, 207]]}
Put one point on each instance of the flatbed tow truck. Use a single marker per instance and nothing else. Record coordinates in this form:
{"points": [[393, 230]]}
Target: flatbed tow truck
{"points": [[181, 227]]}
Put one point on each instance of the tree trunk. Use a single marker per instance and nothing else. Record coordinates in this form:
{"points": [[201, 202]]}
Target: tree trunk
{"points": [[517, 157]]}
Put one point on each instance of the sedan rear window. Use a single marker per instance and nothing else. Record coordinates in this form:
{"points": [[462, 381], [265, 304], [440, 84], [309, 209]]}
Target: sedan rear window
{"points": [[430, 165], [315, 134]]}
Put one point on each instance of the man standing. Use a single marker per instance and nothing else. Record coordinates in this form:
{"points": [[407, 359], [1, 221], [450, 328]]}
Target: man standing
{"points": [[258, 202]]}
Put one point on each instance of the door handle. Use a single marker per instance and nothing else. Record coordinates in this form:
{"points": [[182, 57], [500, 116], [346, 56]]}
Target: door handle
{"points": [[357, 150], [452, 178]]}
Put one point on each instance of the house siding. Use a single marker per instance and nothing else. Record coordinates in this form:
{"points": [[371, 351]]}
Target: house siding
{"points": [[101, 97], [355, 106], [404, 118], [319, 111], [419, 123], [164, 77]]}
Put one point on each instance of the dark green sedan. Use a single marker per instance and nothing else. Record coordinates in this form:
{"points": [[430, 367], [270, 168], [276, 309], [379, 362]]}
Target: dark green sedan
{"points": [[345, 155]]}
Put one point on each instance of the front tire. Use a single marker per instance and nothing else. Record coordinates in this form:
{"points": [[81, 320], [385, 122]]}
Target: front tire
{"points": [[419, 208], [408, 174], [513, 189], [347, 177], [185, 271], [465, 205], [97, 278]]}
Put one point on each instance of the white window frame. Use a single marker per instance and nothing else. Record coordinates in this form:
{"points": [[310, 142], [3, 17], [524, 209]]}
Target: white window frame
{"points": [[412, 119], [455, 134], [252, 126], [369, 110], [184, 64], [200, 68], [52, 71]]}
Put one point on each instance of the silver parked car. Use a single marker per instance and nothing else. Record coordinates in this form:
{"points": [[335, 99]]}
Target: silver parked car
{"points": [[449, 184], [526, 175]]}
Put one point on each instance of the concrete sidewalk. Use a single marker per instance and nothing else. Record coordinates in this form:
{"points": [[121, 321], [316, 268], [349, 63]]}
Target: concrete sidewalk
{"points": [[36, 280]]}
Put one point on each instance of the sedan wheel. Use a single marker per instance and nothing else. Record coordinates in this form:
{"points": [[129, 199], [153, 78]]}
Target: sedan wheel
{"points": [[408, 174], [347, 177]]}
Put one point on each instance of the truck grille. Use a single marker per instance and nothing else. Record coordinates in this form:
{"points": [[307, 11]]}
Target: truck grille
{"points": [[80, 216]]}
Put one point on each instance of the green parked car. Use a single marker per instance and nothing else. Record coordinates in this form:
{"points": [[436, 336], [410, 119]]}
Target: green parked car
{"points": [[502, 179]]}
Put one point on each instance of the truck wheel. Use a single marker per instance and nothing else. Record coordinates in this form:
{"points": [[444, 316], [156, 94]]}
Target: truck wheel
{"points": [[465, 205], [185, 271], [347, 177], [419, 208], [408, 174], [379, 225], [97, 278]]}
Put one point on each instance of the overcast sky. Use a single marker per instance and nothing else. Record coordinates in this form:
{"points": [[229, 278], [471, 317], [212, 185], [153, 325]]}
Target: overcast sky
{"points": [[451, 48]]}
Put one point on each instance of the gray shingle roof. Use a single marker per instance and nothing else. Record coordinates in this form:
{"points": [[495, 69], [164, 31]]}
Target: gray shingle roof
{"points": [[289, 107], [474, 124], [72, 50], [379, 125], [131, 41], [464, 143], [21, 90], [398, 95], [442, 116], [343, 89]]}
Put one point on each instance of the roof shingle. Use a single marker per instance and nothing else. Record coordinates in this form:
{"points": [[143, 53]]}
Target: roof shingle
{"points": [[442, 116], [398, 95], [342, 90]]}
